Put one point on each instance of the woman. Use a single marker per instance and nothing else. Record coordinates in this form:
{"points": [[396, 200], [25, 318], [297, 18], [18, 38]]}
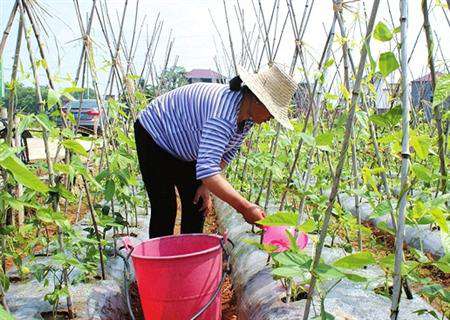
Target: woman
{"points": [[186, 137]]}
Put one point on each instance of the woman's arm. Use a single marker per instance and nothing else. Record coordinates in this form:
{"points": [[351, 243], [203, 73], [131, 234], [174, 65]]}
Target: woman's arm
{"points": [[219, 186]]}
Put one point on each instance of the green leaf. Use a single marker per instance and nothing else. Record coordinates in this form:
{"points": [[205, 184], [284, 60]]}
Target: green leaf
{"points": [[355, 277], [381, 209], [64, 193], [325, 139], [4, 315], [436, 290], [52, 97], [442, 90], [288, 272], [307, 226], [432, 313], [444, 263], [25, 123], [387, 63], [325, 271], [269, 248], [438, 214], [5, 151], [420, 143], [387, 262], [388, 119], [422, 172], [110, 189], [345, 93], [292, 241], [75, 147], [384, 227], [63, 168], [23, 175], [382, 32], [281, 218], [309, 140], [4, 283], [328, 63], [45, 215], [44, 121], [289, 258], [355, 261]]}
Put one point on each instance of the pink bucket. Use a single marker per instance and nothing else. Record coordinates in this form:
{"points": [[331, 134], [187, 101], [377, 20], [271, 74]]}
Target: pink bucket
{"points": [[178, 275]]}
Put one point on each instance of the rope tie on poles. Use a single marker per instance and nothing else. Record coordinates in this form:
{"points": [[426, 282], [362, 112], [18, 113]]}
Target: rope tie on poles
{"points": [[338, 6]]}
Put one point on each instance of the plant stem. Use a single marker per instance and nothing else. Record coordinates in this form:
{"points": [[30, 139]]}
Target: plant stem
{"points": [[94, 223]]}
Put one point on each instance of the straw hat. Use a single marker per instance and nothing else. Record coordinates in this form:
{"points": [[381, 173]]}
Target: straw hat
{"points": [[274, 89]]}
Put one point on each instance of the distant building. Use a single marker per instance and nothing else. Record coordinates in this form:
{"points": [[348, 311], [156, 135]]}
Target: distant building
{"points": [[205, 75], [422, 94], [383, 90]]}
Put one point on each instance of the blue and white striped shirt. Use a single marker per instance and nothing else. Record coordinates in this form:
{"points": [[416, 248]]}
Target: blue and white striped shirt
{"points": [[197, 122]]}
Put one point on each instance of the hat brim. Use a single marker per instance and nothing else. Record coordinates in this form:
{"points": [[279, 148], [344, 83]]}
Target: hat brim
{"points": [[279, 112]]}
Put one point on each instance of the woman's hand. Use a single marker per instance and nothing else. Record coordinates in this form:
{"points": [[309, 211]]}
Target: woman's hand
{"points": [[203, 193], [253, 213]]}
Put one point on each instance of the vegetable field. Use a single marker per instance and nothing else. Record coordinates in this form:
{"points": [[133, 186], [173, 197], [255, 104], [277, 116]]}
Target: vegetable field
{"points": [[365, 169]]}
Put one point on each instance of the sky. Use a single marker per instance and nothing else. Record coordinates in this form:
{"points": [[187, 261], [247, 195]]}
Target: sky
{"points": [[196, 41]]}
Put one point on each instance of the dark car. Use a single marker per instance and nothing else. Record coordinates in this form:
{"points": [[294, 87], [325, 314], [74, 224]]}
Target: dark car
{"points": [[88, 116]]}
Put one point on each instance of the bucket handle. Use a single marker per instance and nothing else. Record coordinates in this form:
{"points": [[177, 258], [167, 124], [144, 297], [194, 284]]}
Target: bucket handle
{"points": [[129, 247], [223, 240]]}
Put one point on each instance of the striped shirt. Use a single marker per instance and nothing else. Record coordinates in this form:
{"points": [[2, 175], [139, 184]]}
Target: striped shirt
{"points": [[197, 122]]}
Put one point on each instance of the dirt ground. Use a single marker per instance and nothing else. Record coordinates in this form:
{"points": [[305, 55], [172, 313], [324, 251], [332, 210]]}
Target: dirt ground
{"points": [[229, 311]]}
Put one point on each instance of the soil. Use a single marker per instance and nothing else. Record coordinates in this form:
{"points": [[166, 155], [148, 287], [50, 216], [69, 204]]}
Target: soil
{"points": [[60, 315]]}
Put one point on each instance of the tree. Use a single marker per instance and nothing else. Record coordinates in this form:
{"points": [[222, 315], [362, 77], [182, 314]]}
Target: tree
{"points": [[26, 97], [169, 79]]}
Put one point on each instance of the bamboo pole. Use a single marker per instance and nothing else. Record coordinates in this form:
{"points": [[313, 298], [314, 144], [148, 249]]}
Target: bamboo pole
{"points": [[10, 118], [342, 157], [338, 14], [325, 54], [51, 175], [130, 54], [299, 51], [39, 42], [372, 131], [83, 49], [245, 39], [8, 28], [395, 301], [230, 39], [12, 98], [442, 185]]}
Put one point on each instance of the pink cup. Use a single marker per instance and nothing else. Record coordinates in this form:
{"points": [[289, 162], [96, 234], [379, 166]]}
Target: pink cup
{"points": [[278, 237]]}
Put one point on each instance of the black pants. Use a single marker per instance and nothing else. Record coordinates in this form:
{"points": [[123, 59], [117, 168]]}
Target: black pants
{"points": [[161, 173]]}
